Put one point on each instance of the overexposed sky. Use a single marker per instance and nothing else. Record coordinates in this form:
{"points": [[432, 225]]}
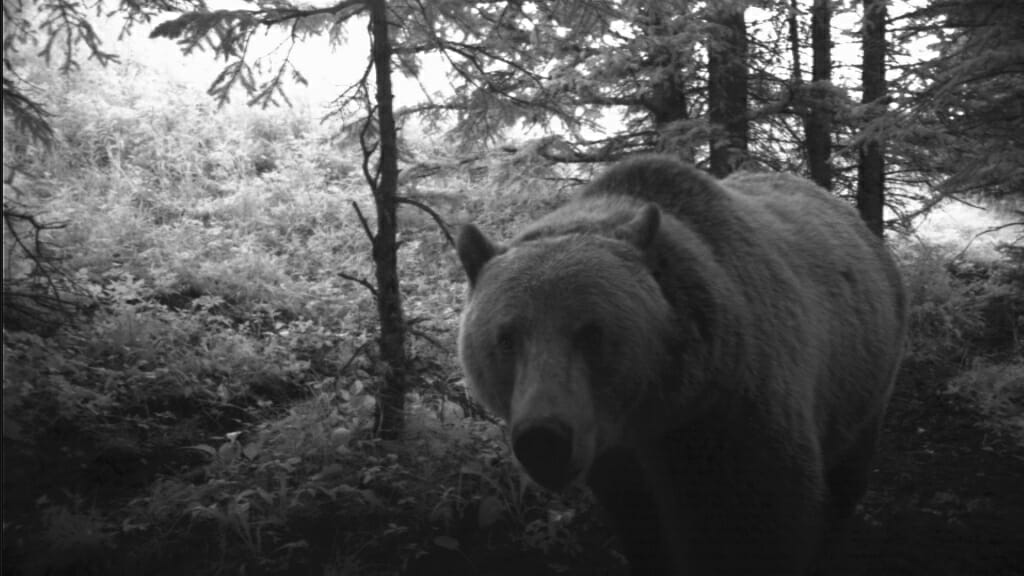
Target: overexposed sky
{"points": [[328, 69]]}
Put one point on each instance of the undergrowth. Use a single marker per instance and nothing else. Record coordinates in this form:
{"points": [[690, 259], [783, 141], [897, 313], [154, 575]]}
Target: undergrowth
{"points": [[208, 405], [970, 312]]}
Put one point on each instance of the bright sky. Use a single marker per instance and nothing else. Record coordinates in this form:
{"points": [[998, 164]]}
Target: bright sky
{"points": [[329, 70]]}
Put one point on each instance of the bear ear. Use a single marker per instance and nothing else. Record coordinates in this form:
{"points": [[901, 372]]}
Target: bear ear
{"points": [[643, 228], [474, 249]]}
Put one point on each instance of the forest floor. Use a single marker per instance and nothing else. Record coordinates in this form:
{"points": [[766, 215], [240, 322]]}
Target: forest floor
{"points": [[947, 499]]}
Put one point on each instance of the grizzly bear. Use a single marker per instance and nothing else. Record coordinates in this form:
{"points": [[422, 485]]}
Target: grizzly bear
{"points": [[712, 358]]}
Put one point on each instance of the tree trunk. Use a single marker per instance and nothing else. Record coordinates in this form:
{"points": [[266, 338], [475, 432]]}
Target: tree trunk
{"points": [[794, 43], [871, 170], [391, 399], [667, 104], [727, 89], [666, 99], [818, 123]]}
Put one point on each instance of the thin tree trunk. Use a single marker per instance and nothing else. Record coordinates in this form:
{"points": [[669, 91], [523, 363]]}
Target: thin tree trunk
{"points": [[667, 104], [871, 171], [794, 43], [727, 89], [818, 123], [391, 399]]}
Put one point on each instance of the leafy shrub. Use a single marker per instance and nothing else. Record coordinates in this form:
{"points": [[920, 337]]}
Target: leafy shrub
{"points": [[75, 538], [943, 309], [997, 390]]}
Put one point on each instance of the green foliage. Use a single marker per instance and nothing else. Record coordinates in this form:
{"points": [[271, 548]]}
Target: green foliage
{"points": [[590, 65], [962, 103], [168, 138], [491, 495], [963, 304], [997, 390], [43, 382], [217, 344], [65, 25], [76, 536], [943, 313]]}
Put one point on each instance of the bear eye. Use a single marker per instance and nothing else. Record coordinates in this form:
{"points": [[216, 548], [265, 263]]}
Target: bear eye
{"points": [[506, 340], [590, 338]]}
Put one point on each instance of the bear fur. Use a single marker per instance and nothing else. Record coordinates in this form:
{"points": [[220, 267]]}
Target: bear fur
{"points": [[713, 358]]}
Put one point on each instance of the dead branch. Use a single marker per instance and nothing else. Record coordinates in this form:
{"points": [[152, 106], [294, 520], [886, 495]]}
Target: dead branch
{"points": [[437, 217], [989, 230], [364, 222], [361, 281]]}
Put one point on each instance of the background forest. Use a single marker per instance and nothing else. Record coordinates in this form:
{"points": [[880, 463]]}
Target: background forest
{"points": [[229, 316]]}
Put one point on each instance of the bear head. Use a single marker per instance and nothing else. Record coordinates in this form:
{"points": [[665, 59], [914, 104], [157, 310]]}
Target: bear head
{"points": [[562, 336]]}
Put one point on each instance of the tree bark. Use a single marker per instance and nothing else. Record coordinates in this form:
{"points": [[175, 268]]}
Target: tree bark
{"points": [[666, 99], [667, 104], [391, 398], [871, 170], [818, 123], [794, 43], [727, 89]]}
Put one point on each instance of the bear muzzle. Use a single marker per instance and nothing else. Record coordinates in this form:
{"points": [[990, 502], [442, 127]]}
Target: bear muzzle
{"points": [[544, 447]]}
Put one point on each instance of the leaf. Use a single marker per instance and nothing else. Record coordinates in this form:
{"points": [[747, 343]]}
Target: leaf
{"points": [[298, 544], [442, 514], [251, 450], [490, 512], [446, 542], [473, 468], [206, 449], [228, 452]]}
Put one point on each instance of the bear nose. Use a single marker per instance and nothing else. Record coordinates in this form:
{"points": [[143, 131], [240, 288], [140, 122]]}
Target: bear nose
{"points": [[544, 448]]}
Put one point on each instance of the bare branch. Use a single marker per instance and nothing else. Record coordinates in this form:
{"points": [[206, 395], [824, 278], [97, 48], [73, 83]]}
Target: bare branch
{"points": [[906, 219], [989, 230], [29, 116], [417, 332], [361, 281], [363, 221], [42, 292], [437, 217], [361, 349]]}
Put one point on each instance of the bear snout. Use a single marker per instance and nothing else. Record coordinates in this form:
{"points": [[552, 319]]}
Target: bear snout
{"points": [[544, 448]]}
